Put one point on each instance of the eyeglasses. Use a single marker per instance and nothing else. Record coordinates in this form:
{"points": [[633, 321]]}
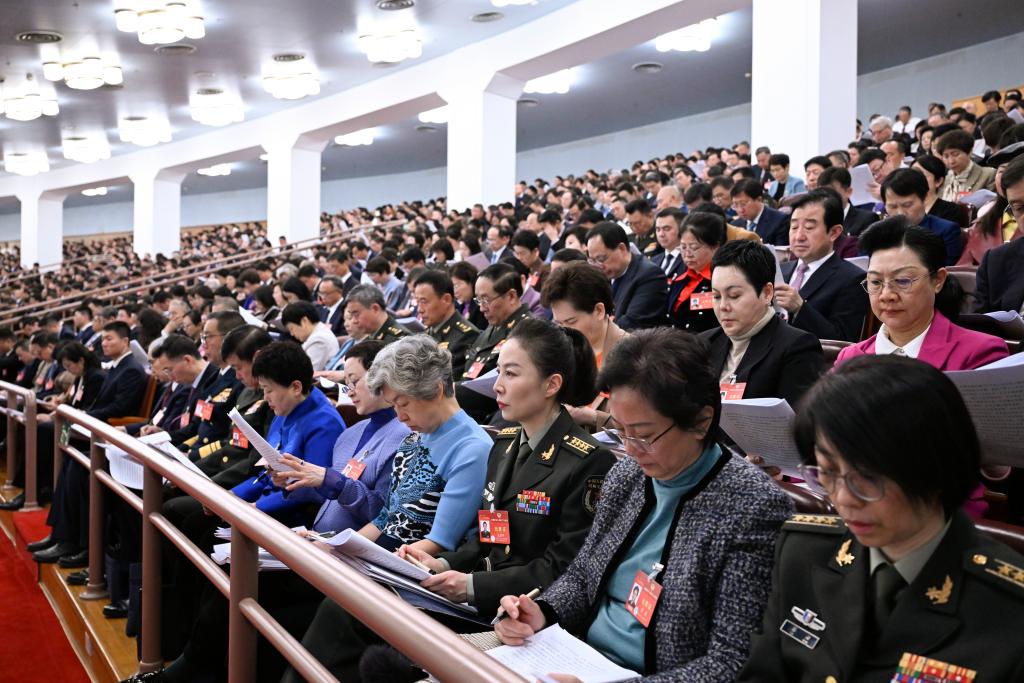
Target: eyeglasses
{"points": [[899, 284], [690, 248], [204, 336], [484, 302], [598, 260], [641, 445], [863, 486]]}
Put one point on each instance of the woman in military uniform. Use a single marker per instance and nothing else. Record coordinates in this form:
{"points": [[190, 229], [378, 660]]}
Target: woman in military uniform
{"points": [[900, 586]]}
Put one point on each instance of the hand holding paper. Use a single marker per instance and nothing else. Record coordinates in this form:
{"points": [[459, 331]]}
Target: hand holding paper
{"points": [[269, 453]]}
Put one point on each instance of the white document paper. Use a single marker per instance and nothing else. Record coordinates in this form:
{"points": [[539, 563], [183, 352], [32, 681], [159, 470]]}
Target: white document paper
{"points": [[139, 353], [390, 578], [353, 544], [762, 426], [860, 261], [555, 650], [978, 198], [484, 384], [994, 395], [169, 449], [269, 453], [861, 179], [412, 323]]}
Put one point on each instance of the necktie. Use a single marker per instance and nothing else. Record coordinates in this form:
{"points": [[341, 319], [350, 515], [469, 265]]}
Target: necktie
{"points": [[798, 277], [886, 586], [670, 260], [752, 226], [524, 453]]}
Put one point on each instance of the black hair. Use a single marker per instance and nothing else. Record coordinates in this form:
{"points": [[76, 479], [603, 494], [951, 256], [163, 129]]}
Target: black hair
{"points": [[933, 165], [905, 182], [582, 285], [284, 362], [6, 333], [611, 234], [562, 351], [872, 407], [178, 346], [1013, 173], [955, 139], [437, 280], [896, 232], [527, 239], [465, 271], [638, 206], [295, 286], [445, 247], [751, 258], [748, 187], [778, 160], [414, 254], [264, 295], [550, 216], [708, 228], [308, 270], [669, 367], [76, 351], [590, 216], [365, 351], [836, 174], [567, 255], [992, 95], [504, 277], [226, 320], [119, 328], [699, 192], [822, 161], [828, 199], [297, 310], [244, 342]]}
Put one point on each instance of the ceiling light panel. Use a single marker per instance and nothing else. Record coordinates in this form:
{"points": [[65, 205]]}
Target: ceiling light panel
{"points": [[144, 131], [87, 73], [26, 163], [692, 38], [160, 21], [359, 138], [86, 148], [392, 47], [291, 77], [556, 83], [214, 107], [24, 99], [215, 170], [95, 192], [439, 115]]}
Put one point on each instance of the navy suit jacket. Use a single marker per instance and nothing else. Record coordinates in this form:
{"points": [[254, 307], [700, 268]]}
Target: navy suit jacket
{"points": [[1000, 279], [834, 302], [122, 391], [857, 220], [337, 321], [773, 226], [951, 234], [678, 268], [640, 295]]}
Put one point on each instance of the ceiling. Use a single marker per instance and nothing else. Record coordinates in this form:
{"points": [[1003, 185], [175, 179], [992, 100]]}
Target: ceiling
{"points": [[607, 95]]}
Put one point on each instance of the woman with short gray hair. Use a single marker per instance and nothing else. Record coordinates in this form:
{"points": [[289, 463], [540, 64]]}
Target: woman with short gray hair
{"points": [[415, 366]]}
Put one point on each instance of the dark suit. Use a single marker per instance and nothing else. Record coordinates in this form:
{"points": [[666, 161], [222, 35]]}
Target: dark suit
{"points": [[678, 267], [167, 409], [351, 283], [85, 334], [781, 361], [10, 366], [640, 295], [568, 466], [772, 226], [1000, 279], [857, 220], [964, 608], [834, 302], [180, 434], [336, 321], [951, 234], [122, 391]]}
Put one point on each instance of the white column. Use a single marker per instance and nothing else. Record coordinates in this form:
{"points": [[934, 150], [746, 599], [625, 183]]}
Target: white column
{"points": [[293, 187], [804, 77], [42, 227], [482, 140], [157, 211]]}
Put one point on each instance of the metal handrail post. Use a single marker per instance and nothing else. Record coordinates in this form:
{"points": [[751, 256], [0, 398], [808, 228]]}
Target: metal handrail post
{"points": [[152, 503], [97, 587], [12, 438], [241, 632], [58, 452], [31, 456]]}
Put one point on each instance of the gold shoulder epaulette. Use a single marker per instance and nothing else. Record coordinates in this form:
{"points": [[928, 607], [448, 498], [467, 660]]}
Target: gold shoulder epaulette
{"points": [[578, 445], [508, 431], [830, 524], [190, 442], [209, 449], [999, 571], [464, 326]]}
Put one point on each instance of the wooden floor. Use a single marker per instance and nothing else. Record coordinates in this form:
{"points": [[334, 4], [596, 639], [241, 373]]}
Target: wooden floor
{"points": [[106, 653]]}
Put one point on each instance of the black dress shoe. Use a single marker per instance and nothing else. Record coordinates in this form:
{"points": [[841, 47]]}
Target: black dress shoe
{"points": [[15, 503], [40, 545], [79, 578], [75, 560], [54, 552], [116, 610], [151, 677]]}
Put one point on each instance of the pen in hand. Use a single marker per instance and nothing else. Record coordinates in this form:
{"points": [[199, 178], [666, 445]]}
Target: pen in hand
{"points": [[500, 614]]}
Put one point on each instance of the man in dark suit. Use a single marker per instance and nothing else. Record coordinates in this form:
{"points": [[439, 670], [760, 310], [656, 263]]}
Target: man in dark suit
{"points": [[855, 220], [666, 228], [823, 294], [1001, 273], [498, 242], [340, 265], [903, 192], [331, 311], [120, 396], [748, 199], [82, 320], [10, 364], [639, 287]]}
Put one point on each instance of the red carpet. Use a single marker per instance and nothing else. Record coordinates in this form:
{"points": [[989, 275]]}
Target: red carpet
{"points": [[33, 648]]}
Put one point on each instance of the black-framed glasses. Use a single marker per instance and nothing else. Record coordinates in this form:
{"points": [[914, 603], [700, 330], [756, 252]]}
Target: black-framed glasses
{"points": [[642, 445], [866, 487]]}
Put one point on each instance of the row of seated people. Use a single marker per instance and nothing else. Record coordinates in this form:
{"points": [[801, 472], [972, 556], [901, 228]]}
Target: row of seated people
{"points": [[742, 285]]}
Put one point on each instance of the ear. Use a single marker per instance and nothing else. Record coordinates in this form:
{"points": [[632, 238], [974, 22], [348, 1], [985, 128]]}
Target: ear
{"points": [[599, 309], [940, 279], [703, 422], [552, 385], [835, 232], [768, 293]]}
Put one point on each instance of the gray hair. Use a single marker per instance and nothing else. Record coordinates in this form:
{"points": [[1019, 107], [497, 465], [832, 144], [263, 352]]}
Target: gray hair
{"points": [[366, 296], [412, 366], [880, 122]]}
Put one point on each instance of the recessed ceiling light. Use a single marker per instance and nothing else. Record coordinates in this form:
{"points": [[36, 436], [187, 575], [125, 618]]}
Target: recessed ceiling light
{"points": [[176, 50], [424, 128], [528, 102], [391, 5], [648, 67], [39, 37], [203, 74], [209, 91], [487, 17], [288, 57]]}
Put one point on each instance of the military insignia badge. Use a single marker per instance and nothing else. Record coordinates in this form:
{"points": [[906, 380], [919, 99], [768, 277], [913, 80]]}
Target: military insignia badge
{"points": [[940, 596], [592, 493], [843, 557]]}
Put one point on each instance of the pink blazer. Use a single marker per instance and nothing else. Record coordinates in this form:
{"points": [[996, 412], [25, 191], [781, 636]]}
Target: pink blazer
{"points": [[948, 347]]}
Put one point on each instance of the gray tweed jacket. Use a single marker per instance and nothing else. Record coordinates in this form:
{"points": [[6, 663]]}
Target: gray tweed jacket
{"points": [[718, 566]]}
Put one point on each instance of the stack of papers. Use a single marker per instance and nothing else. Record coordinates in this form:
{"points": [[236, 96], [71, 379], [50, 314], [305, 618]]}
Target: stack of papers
{"points": [[270, 454], [555, 650], [222, 555], [994, 395], [763, 426], [484, 384]]}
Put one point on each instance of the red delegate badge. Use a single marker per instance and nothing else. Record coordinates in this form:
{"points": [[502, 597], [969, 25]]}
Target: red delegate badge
{"points": [[732, 391], [475, 369], [643, 597], [204, 410], [701, 301], [184, 420], [493, 526], [238, 438], [353, 469]]}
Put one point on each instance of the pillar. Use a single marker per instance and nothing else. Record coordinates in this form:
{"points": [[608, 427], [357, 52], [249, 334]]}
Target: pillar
{"points": [[804, 77], [482, 140], [293, 187], [157, 211], [42, 227]]}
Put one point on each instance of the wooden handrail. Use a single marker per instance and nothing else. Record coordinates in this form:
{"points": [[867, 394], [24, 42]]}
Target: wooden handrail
{"points": [[425, 641], [13, 393]]}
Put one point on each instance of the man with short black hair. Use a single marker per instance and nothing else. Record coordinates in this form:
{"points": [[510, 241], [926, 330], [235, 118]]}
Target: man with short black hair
{"points": [[302, 320], [855, 220], [526, 248], [904, 192], [395, 292], [770, 225], [1000, 277], [783, 184], [639, 287], [497, 241], [667, 227], [641, 223], [331, 310], [991, 100], [435, 300]]}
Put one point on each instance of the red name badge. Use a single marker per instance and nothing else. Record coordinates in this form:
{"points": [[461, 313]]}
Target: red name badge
{"points": [[643, 598], [353, 469], [701, 301], [49, 384], [732, 391], [184, 420], [534, 279], [475, 369], [204, 410], [493, 526], [238, 438]]}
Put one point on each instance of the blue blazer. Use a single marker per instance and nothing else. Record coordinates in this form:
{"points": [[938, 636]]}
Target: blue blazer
{"points": [[793, 186], [773, 226], [951, 234]]}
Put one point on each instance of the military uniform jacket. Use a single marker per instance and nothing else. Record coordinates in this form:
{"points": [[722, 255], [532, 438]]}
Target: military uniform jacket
{"points": [[486, 347], [222, 393], [965, 609], [390, 331], [456, 335], [222, 454], [550, 501], [647, 244]]}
